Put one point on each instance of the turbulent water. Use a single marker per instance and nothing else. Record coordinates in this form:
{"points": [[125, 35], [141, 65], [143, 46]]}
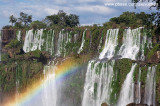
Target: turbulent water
{"points": [[127, 91], [100, 72], [46, 40], [110, 44], [82, 44], [33, 40], [97, 89], [150, 87]]}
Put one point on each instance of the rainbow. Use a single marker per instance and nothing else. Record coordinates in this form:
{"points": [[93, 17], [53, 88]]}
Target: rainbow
{"points": [[58, 74]]}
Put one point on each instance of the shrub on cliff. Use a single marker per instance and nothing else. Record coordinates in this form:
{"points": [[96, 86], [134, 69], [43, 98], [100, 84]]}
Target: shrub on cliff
{"points": [[13, 44]]}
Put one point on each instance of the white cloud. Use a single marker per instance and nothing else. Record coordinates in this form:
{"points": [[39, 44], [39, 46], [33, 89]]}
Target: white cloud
{"points": [[51, 11], [95, 9]]}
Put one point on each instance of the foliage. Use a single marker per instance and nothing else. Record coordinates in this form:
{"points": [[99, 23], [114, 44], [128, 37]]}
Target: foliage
{"points": [[153, 51], [13, 44], [157, 6], [62, 19], [12, 19], [25, 18], [132, 19], [7, 27], [37, 53], [38, 25], [5, 57]]}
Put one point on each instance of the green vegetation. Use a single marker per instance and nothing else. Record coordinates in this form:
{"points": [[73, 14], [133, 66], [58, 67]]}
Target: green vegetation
{"points": [[153, 51], [121, 69], [13, 44], [62, 19], [158, 83], [12, 19], [21, 22], [132, 19], [38, 25]]}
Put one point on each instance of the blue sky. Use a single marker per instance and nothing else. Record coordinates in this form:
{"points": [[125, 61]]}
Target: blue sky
{"points": [[89, 11]]}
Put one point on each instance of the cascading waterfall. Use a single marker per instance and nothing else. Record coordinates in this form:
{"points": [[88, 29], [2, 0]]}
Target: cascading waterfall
{"points": [[60, 39], [33, 40], [138, 96], [63, 40], [110, 44], [149, 96], [36, 40], [127, 91], [19, 35], [144, 41], [75, 37], [47, 96], [100, 73], [131, 43], [100, 44], [50, 41], [82, 43], [97, 87]]}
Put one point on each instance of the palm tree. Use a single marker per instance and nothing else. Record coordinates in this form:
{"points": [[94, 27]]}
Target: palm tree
{"points": [[12, 19]]}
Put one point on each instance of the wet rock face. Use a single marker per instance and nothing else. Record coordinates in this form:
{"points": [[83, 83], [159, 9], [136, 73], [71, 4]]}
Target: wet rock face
{"points": [[155, 58], [7, 36], [104, 104], [158, 54]]}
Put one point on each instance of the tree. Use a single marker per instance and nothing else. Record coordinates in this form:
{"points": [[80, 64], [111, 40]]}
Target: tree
{"points": [[134, 19], [18, 25], [62, 19], [12, 19], [25, 18], [37, 24], [72, 20], [157, 6]]}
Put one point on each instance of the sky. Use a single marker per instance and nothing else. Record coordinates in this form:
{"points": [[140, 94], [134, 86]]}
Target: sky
{"points": [[89, 11]]}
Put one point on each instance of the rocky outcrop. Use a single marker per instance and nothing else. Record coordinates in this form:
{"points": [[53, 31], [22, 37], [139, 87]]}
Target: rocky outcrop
{"points": [[8, 35], [104, 104], [155, 58]]}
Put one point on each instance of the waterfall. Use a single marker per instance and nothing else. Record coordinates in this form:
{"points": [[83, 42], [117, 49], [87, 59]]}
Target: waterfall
{"points": [[63, 40], [144, 41], [19, 35], [100, 43], [110, 44], [50, 41], [33, 41], [150, 86], [82, 43], [131, 43], [75, 38], [138, 96], [97, 87], [47, 96], [39, 40], [99, 79], [127, 91]]}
